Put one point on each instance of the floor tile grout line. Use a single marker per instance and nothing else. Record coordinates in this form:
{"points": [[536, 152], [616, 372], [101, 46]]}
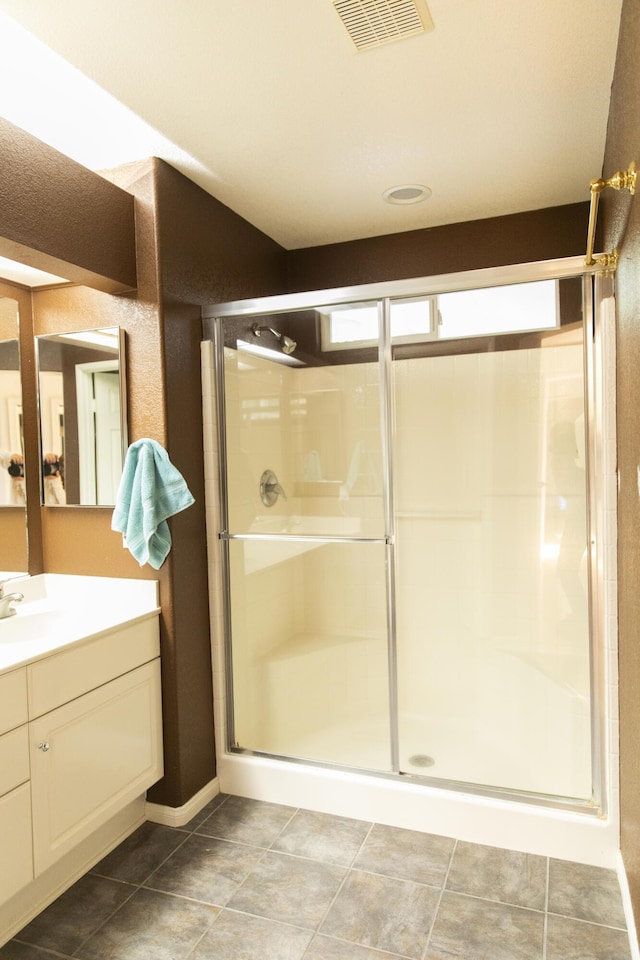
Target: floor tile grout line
{"points": [[134, 890], [259, 916], [239, 843], [137, 888], [440, 896], [106, 920], [203, 935], [593, 923], [545, 926], [348, 870], [291, 818], [162, 862], [45, 952], [352, 943], [215, 809], [499, 903]]}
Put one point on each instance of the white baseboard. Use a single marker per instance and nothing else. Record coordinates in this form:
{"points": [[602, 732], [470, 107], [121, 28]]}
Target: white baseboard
{"points": [[178, 816], [628, 909]]}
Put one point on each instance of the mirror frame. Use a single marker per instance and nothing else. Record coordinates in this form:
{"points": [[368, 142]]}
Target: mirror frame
{"points": [[122, 391], [13, 516]]}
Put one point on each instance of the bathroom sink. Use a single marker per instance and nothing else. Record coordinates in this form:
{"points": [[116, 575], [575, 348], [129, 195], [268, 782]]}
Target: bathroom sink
{"points": [[60, 609], [32, 620]]}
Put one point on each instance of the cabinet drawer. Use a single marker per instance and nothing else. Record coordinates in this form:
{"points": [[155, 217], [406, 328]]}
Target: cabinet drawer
{"points": [[71, 673], [91, 757], [14, 759], [13, 699], [15, 841]]}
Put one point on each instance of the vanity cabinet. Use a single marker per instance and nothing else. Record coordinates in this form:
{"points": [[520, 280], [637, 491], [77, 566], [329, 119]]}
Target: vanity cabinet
{"points": [[83, 738], [90, 757], [15, 789]]}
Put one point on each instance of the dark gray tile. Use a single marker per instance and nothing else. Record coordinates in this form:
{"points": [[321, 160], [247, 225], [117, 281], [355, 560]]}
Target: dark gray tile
{"points": [[495, 874], [150, 925], [290, 890], [23, 951], [205, 869], [76, 914], [586, 893], [237, 936], [407, 854], [247, 821], [206, 811], [384, 913], [576, 940], [470, 929], [321, 836], [326, 948], [140, 854]]}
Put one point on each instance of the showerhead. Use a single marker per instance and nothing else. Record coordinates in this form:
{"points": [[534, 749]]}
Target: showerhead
{"points": [[287, 344]]}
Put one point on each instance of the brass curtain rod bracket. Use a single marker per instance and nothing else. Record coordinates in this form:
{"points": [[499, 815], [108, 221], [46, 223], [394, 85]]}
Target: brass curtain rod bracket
{"points": [[622, 180]]}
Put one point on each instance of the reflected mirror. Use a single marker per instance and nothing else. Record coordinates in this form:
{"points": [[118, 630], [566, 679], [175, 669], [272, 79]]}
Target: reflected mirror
{"points": [[13, 529], [83, 423]]}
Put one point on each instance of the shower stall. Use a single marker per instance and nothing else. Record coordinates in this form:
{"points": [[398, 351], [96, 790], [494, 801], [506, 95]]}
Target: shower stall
{"points": [[412, 529]]}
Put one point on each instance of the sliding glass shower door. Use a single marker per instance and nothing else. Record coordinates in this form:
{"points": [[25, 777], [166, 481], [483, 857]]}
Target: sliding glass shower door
{"points": [[492, 594], [406, 534], [306, 549]]}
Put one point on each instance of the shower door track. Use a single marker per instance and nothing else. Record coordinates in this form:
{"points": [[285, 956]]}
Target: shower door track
{"points": [[213, 318]]}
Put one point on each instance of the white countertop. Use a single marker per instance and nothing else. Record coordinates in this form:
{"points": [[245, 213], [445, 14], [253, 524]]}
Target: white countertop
{"points": [[59, 610]]}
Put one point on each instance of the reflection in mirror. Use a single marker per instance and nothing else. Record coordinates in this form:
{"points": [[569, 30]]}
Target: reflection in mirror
{"points": [[83, 432], [13, 529]]}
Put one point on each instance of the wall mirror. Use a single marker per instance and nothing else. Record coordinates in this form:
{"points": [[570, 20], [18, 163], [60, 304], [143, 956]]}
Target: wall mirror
{"points": [[13, 527], [83, 422]]}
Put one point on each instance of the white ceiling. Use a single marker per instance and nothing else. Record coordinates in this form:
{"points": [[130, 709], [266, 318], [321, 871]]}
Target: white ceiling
{"points": [[268, 106]]}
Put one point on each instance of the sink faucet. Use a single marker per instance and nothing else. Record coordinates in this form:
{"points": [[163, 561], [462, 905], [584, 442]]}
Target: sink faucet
{"points": [[6, 610]]}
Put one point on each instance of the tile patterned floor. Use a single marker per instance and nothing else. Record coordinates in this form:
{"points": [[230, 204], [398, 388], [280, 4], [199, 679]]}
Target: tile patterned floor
{"points": [[247, 880]]}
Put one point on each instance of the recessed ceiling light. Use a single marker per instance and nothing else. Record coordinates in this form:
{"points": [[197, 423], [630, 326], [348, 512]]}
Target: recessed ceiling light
{"points": [[407, 193]]}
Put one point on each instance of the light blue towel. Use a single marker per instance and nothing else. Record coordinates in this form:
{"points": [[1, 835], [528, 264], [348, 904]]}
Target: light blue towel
{"points": [[151, 489]]}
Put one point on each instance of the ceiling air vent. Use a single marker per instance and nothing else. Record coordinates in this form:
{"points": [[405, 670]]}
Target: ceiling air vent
{"points": [[370, 23]]}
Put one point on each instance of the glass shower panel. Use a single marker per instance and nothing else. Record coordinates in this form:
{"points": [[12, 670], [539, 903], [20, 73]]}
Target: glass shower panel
{"points": [[491, 567], [309, 650], [311, 418]]}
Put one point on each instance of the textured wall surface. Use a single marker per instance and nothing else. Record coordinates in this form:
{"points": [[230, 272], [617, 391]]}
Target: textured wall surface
{"points": [[519, 238], [69, 221], [620, 215]]}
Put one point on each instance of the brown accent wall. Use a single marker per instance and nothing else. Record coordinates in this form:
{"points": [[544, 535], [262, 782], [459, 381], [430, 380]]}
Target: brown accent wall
{"points": [[69, 222], [190, 250], [497, 241], [207, 254], [620, 216]]}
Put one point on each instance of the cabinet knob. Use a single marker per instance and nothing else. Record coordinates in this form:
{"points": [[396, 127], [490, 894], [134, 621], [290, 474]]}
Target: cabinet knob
{"points": [[44, 747]]}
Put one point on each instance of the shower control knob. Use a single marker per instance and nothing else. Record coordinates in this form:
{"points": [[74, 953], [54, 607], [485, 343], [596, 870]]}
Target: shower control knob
{"points": [[44, 746]]}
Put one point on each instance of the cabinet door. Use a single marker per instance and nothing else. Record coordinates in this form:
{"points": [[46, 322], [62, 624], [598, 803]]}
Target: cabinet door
{"points": [[16, 860], [91, 757]]}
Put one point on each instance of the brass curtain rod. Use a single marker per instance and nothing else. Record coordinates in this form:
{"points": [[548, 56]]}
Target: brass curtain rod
{"points": [[622, 180]]}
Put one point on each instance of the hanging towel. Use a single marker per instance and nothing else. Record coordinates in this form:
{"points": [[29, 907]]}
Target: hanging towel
{"points": [[151, 489]]}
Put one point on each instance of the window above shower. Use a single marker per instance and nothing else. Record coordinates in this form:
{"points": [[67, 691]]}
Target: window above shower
{"points": [[489, 311]]}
